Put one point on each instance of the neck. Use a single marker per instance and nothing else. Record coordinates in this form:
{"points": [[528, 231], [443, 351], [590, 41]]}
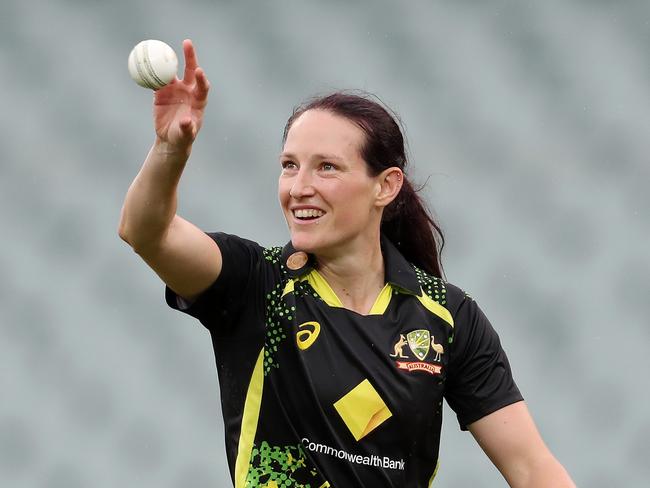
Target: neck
{"points": [[356, 276]]}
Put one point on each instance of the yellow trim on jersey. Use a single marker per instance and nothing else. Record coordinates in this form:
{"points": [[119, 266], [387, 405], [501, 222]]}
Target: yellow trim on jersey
{"points": [[381, 304], [435, 472], [289, 287], [323, 288], [249, 422], [435, 308]]}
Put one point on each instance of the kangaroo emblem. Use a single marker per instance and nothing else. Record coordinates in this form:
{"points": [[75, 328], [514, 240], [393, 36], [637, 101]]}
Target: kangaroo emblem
{"points": [[397, 348]]}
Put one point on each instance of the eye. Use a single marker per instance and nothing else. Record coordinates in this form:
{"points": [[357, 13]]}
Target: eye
{"points": [[328, 166], [288, 165]]}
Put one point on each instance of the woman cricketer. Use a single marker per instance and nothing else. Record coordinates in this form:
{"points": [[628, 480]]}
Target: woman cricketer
{"points": [[335, 351]]}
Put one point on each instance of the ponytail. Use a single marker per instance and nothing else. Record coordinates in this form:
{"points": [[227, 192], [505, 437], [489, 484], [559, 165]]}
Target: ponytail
{"points": [[409, 226]]}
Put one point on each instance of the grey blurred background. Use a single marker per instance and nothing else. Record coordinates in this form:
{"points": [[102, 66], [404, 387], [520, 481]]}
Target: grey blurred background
{"points": [[529, 121]]}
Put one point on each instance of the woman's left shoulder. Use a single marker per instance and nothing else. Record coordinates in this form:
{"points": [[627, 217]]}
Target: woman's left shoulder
{"points": [[442, 291]]}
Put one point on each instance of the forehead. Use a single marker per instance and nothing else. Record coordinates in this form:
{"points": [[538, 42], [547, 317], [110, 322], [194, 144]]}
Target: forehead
{"points": [[321, 131]]}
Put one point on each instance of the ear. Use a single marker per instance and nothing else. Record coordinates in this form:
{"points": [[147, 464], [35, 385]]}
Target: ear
{"points": [[389, 183]]}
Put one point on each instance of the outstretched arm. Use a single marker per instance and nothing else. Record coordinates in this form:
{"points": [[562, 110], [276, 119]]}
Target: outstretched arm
{"points": [[511, 441], [186, 259]]}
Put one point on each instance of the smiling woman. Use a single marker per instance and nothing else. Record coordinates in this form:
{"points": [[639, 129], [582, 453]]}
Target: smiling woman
{"points": [[365, 130], [334, 352], [325, 190]]}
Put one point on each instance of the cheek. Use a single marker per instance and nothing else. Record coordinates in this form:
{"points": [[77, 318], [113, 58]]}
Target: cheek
{"points": [[352, 206], [283, 191], [355, 195]]}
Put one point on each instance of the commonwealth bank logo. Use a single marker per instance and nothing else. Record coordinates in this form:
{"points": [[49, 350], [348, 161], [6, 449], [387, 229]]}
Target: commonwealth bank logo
{"points": [[362, 409]]}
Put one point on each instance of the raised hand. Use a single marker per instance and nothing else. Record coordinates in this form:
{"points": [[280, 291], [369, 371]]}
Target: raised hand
{"points": [[179, 106]]}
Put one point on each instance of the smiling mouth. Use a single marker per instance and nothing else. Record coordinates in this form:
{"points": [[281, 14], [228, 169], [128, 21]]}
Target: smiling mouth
{"points": [[308, 214]]}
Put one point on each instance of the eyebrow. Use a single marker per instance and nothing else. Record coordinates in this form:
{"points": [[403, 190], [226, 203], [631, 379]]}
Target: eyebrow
{"points": [[316, 156]]}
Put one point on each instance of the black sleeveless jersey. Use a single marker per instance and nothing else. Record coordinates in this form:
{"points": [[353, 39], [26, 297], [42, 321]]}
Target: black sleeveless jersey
{"points": [[315, 395]]}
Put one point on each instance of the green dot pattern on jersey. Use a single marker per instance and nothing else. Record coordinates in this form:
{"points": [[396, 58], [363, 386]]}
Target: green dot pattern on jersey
{"points": [[432, 286], [276, 311], [286, 466], [303, 288], [272, 254], [435, 288]]}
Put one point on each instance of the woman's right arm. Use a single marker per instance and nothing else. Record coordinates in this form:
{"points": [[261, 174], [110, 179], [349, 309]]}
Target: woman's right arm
{"points": [[184, 257]]}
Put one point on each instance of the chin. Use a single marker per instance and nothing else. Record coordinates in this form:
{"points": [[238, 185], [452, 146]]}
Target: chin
{"points": [[304, 243], [315, 243], [308, 241]]}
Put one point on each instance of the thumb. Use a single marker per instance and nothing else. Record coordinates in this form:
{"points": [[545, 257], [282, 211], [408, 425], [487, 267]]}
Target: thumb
{"points": [[188, 128]]}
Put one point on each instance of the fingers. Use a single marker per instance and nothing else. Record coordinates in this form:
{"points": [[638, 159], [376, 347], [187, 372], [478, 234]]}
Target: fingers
{"points": [[193, 73], [191, 62], [202, 85]]}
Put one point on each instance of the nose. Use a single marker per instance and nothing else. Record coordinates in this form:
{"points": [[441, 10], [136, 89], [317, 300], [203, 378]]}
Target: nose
{"points": [[302, 185]]}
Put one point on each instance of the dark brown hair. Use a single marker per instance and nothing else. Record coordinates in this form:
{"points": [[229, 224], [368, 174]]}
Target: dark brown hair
{"points": [[406, 220]]}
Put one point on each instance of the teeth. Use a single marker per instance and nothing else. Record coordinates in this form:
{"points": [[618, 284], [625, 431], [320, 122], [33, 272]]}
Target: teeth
{"points": [[307, 213]]}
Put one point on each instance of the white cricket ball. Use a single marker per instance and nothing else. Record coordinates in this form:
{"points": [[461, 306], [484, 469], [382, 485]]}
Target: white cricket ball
{"points": [[152, 64]]}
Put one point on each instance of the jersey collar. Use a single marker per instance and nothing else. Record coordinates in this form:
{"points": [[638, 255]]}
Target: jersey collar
{"points": [[399, 272]]}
